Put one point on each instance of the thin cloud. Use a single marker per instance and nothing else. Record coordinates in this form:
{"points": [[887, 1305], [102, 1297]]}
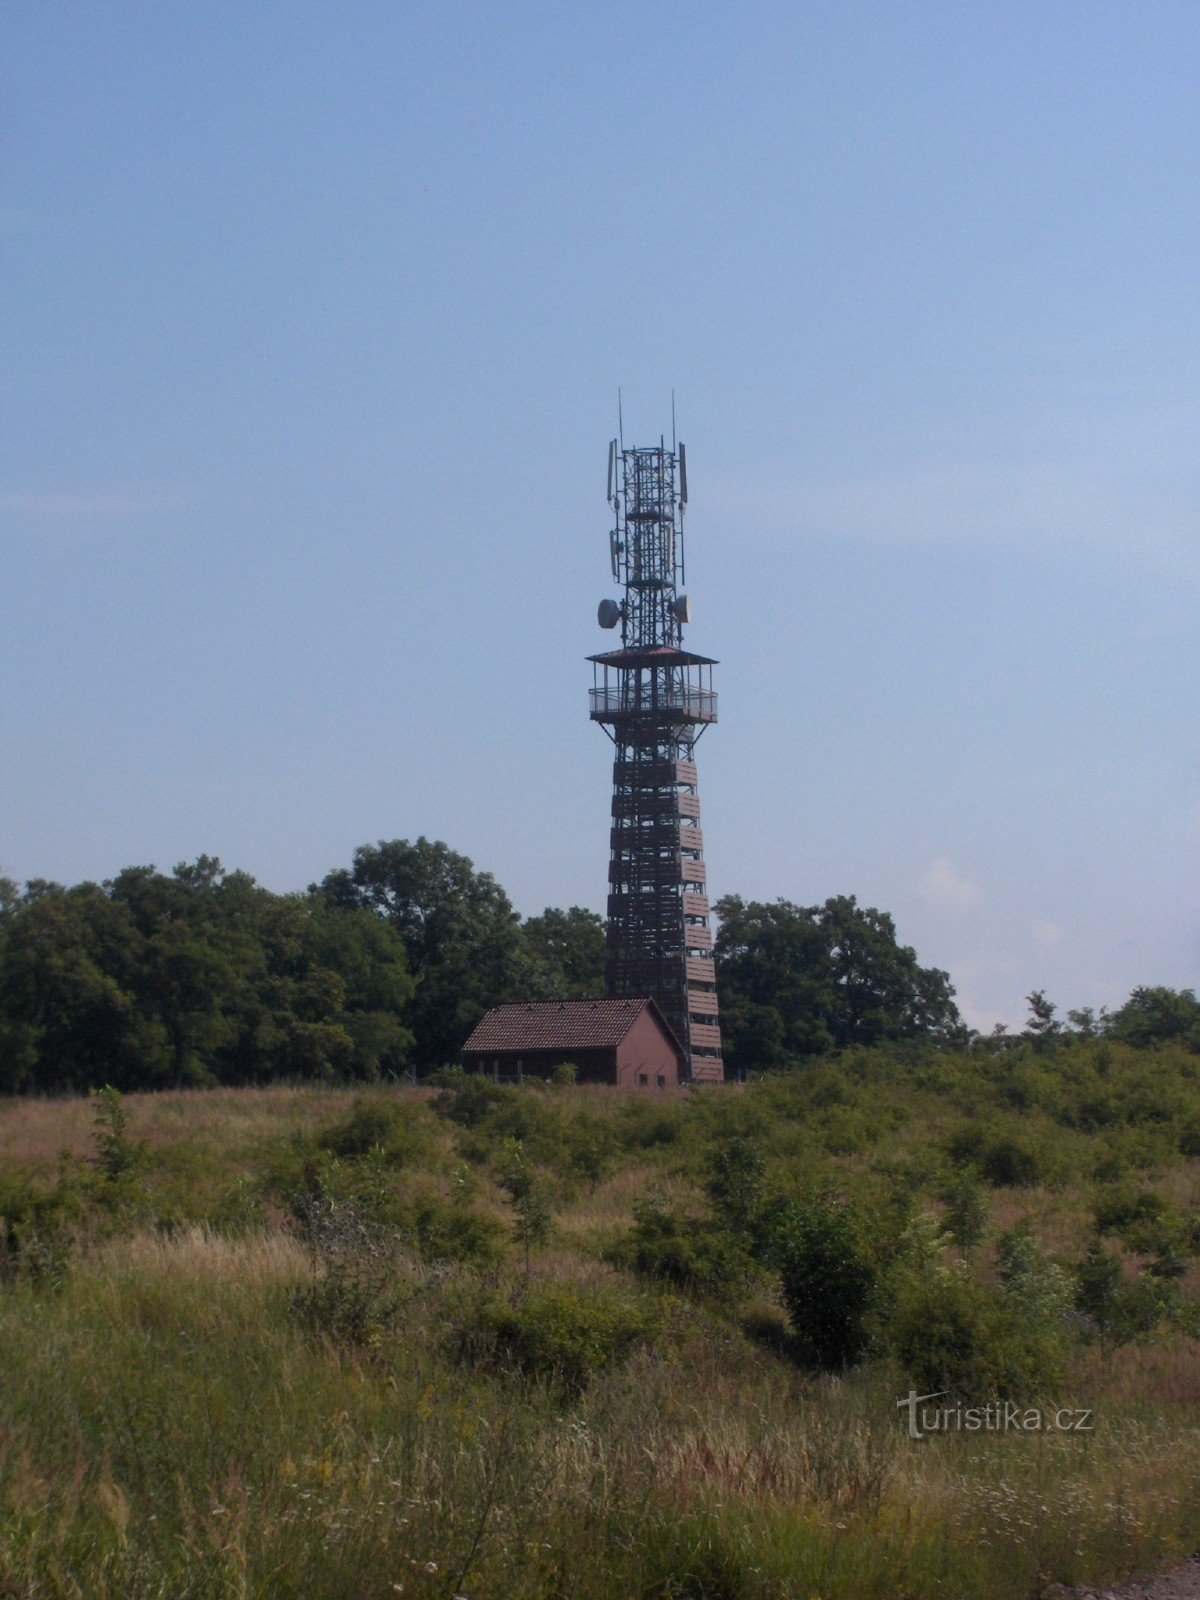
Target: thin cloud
{"points": [[947, 889], [1047, 933]]}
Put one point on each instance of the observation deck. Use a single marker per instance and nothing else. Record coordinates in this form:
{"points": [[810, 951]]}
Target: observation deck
{"points": [[633, 702]]}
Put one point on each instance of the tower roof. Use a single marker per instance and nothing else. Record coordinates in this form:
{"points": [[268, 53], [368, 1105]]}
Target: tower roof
{"points": [[653, 655]]}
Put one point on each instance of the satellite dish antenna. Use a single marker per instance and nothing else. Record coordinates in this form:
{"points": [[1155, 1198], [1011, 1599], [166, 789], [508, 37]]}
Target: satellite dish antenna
{"points": [[608, 613], [682, 474], [681, 608]]}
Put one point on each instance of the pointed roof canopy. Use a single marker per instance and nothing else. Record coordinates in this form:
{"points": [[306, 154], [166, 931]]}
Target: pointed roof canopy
{"points": [[653, 655]]}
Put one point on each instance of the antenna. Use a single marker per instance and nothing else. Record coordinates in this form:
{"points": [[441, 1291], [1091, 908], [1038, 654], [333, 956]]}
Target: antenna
{"points": [[672, 421], [620, 423], [682, 474], [612, 464]]}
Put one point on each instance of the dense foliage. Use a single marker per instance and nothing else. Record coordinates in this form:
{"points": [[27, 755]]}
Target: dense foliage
{"points": [[202, 976], [803, 980]]}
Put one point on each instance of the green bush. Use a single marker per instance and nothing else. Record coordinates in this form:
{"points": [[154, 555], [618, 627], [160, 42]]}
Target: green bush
{"points": [[358, 1281], [369, 1125], [1119, 1309], [1001, 1159], [469, 1100], [952, 1333], [1122, 1209], [829, 1282], [698, 1256], [561, 1332], [444, 1231], [967, 1211]]}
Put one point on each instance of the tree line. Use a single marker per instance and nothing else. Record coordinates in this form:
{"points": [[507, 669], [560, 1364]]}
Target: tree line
{"points": [[202, 976]]}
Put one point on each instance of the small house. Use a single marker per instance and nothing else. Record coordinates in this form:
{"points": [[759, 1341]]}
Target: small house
{"points": [[627, 1043]]}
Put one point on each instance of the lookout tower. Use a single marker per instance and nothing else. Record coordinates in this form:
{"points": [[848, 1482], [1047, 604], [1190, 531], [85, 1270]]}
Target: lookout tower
{"points": [[654, 699]]}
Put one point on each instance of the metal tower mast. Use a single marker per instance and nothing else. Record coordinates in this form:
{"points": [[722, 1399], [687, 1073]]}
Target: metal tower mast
{"points": [[654, 700]]}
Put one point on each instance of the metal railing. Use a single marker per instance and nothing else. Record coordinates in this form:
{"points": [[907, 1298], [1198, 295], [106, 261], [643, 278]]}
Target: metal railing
{"points": [[692, 705]]}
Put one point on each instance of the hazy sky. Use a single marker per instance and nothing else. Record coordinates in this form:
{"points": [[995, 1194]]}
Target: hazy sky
{"points": [[314, 318]]}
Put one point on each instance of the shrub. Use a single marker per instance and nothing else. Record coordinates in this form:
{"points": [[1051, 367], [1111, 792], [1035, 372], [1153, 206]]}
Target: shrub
{"points": [[564, 1332], [734, 1181], [371, 1124], [470, 1101], [358, 1282], [1001, 1159], [450, 1232], [36, 1225], [526, 1190], [829, 1282], [697, 1256], [1122, 1208], [1121, 1310], [649, 1126], [118, 1158], [967, 1212], [951, 1333]]}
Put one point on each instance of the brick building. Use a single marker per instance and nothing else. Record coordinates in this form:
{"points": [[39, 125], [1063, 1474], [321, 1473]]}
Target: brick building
{"points": [[625, 1042]]}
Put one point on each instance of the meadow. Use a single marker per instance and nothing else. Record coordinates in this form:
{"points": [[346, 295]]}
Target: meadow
{"points": [[471, 1340]]}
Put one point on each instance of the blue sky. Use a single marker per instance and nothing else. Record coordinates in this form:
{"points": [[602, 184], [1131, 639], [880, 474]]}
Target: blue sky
{"points": [[314, 321]]}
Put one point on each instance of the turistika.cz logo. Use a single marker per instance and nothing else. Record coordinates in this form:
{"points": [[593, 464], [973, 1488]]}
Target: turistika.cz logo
{"points": [[998, 1416]]}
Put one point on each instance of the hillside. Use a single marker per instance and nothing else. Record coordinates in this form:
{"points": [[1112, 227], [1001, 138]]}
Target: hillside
{"points": [[555, 1341]]}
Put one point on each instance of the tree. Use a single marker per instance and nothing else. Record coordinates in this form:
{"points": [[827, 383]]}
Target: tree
{"points": [[526, 1190], [1098, 1283], [195, 977], [803, 980], [1157, 1015], [568, 947], [829, 1283], [66, 967], [461, 935], [1043, 1026]]}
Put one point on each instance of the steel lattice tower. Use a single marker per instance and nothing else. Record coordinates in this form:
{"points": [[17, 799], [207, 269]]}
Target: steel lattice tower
{"points": [[654, 700]]}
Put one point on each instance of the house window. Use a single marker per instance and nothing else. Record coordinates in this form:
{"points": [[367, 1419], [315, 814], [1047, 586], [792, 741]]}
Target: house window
{"points": [[643, 1080], [661, 1081]]}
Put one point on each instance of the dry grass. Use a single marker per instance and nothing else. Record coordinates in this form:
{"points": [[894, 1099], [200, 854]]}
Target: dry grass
{"points": [[172, 1429]]}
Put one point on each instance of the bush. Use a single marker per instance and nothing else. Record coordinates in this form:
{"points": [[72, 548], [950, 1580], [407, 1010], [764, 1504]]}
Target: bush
{"points": [[967, 1212], [697, 1256], [470, 1101], [1123, 1209], [371, 1124], [951, 1333], [1000, 1159], [563, 1332], [358, 1282], [829, 1283], [449, 1232], [1120, 1310]]}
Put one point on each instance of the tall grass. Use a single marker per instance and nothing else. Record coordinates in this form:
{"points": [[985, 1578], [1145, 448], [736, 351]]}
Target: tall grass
{"points": [[175, 1424]]}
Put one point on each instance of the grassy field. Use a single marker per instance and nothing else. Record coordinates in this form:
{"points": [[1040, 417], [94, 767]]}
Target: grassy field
{"points": [[301, 1342]]}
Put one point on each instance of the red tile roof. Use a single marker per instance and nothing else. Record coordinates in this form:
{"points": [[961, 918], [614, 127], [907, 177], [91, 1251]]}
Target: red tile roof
{"points": [[560, 1025]]}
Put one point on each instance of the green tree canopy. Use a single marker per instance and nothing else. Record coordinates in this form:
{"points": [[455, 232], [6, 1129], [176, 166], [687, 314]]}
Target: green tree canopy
{"points": [[569, 948], [802, 980], [194, 977], [462, 937], [1155, 1015]]}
